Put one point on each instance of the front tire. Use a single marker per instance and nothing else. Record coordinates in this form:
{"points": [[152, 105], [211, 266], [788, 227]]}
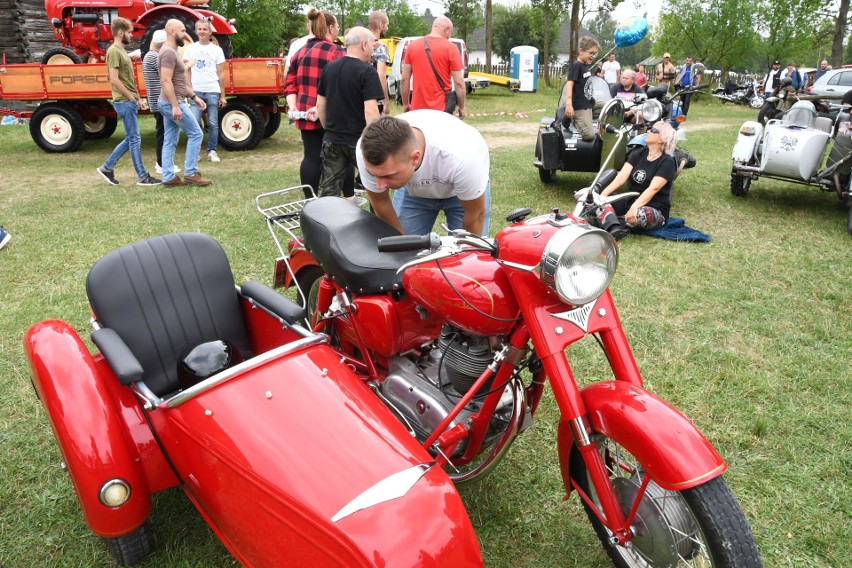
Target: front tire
{"points": [[546, 176], [756, 102], [60, 56], [701, 526], [740, 184], [241, 125], [130, 549], [767, 113]]}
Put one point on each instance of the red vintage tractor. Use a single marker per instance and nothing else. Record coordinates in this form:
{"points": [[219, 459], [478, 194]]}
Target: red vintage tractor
{"points": [[83, 26]]}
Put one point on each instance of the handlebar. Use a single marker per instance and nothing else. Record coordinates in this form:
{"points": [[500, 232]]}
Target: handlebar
{"points": [[402, 243]]}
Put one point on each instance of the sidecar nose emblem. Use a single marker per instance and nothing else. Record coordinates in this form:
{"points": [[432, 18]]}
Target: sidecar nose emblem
{"points": [[389, 488]]}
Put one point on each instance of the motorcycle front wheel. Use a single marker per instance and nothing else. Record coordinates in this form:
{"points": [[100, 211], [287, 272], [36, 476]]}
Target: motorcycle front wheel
{"points": [[756, 102], [702, 526]]}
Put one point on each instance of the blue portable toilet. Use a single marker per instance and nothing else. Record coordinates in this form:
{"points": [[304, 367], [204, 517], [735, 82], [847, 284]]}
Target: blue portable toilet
{"points": [[523, 65]]}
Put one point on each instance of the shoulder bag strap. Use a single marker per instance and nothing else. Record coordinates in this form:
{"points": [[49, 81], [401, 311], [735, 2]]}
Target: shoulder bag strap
{"points": [[432, 65]]}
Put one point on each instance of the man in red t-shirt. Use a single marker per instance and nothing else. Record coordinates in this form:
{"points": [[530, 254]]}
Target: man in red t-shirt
{"points": [[447, 64]]}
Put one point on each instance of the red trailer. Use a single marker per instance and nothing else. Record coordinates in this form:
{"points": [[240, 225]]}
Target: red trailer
{"points": [[72, 102]]}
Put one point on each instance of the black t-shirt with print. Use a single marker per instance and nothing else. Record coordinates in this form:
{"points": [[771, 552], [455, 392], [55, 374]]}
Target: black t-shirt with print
{"points": [[644, 171], [582, 97]]}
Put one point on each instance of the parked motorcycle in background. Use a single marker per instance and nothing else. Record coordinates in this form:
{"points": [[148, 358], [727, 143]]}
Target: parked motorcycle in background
{"points": [[747, 94]]}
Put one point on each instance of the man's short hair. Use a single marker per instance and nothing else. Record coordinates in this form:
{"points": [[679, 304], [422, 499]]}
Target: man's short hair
{"points": [[120, 24], [587, 42], [385, 137], [356, 35], [377, 18], [204, 22]]}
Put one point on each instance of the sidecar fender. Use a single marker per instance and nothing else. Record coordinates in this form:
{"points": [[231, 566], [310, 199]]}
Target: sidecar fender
{"points": [[297, 258], [98, 426], [670, 448], [750, 134]]}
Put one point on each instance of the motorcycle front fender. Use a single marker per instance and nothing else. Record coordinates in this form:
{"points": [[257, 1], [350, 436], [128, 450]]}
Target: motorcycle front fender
{"points": [[670, 448]]}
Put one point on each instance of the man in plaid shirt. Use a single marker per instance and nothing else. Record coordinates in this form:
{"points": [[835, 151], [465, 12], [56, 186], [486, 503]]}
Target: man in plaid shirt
{"points": [[300, 88]]}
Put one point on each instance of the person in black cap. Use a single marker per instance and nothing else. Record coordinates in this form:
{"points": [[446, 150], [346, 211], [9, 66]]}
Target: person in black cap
{"points": [[772, 79]]}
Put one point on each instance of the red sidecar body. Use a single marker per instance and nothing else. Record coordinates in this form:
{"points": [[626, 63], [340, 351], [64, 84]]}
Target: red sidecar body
{"points": [[288, 455]]}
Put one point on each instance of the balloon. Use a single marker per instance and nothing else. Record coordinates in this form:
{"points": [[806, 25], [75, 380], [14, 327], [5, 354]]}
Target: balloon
{"points": [[630, 31]]}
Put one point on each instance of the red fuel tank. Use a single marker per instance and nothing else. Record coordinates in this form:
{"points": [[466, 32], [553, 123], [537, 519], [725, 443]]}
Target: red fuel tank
{"points": [[470, 291]]}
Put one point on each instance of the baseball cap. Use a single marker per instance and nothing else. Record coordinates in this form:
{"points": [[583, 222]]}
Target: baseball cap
{"points": [[669, 55], [159, 36], [776, 62]]}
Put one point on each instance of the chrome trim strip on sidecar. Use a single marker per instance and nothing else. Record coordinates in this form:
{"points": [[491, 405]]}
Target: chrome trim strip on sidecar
{"points": [[388, 489], [232, 372]]}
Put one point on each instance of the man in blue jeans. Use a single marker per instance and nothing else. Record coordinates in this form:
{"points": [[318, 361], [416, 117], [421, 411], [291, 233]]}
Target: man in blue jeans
{"points": [[206, 63], [435, 162], [176, 113], [126, 101]]}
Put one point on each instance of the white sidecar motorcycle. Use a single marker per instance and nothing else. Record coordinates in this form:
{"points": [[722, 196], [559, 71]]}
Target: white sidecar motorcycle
{"points": [[793, 149]]}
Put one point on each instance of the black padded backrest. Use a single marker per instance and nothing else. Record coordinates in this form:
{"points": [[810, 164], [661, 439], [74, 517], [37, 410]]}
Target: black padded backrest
{"points": [[164, 296]]}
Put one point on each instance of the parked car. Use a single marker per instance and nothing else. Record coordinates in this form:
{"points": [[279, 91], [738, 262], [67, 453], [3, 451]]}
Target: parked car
{"points": [[834, 83]]}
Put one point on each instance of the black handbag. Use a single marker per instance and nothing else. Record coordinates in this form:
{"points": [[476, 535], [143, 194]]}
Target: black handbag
{"points": [[450, 99]]}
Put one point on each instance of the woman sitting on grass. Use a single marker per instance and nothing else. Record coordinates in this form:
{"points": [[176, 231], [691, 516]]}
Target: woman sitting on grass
{"points": [[649, 171]]}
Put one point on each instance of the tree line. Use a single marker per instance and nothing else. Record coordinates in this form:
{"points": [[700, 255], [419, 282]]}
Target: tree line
{"points": [[739, 35]]}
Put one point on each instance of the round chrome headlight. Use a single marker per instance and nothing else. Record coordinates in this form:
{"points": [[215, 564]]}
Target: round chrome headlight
{"points": [[652, 110], [579, 263]]}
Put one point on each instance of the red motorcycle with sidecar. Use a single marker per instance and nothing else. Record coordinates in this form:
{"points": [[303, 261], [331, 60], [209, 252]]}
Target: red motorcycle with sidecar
{"points": [[427, 358]]}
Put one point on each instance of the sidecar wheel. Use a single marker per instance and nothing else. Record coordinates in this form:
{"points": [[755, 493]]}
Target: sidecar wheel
{"points": [[740, 185], [546, 176], [702, 526], [131, 548]]}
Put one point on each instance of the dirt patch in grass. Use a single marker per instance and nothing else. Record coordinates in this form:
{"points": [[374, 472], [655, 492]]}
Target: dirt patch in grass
{"points": [[515, 134]]}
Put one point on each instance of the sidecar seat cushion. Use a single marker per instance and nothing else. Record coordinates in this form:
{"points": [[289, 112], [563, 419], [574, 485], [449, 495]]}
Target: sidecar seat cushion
{"points": [[342, 237], [165, 295]]}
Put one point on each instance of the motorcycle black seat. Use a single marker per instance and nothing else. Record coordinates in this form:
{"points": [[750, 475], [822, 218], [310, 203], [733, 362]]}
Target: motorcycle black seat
{"points": [[342, 237]]}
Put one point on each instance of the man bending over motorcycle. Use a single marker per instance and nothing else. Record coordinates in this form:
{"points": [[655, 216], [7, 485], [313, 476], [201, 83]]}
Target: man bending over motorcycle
{"points": [[649, 171], [435, 162]]}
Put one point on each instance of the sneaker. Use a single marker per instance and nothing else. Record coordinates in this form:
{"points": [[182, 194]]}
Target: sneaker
{"points": [[174, 182], [213, 156], [196, 179], [108, 175], [5, 237], [160, 169], [149, 181], [619, 232]]}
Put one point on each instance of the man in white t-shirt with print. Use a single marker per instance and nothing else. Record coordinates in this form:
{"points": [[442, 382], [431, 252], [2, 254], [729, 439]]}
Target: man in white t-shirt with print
{"points": [[205, 68], [435, 162], [611, 70]]}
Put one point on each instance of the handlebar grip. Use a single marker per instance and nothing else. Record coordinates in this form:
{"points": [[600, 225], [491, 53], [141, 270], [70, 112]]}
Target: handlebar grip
{"points": [[404, 243]]}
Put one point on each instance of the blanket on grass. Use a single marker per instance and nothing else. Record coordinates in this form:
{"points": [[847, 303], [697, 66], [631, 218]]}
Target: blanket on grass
{"points": [[676, 230]]}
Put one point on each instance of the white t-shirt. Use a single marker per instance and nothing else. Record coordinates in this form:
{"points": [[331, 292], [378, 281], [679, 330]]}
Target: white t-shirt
{"points": [[455, 162], [205, 74], [610, 70]]}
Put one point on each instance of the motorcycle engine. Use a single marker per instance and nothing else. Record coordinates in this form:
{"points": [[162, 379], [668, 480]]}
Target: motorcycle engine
{"points": [[424, 390]]}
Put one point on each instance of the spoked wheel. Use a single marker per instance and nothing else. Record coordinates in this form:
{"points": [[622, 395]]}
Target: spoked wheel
{"points": [[308, 280], [699, 527], [131, 548], [740, 184], [756, 102]]}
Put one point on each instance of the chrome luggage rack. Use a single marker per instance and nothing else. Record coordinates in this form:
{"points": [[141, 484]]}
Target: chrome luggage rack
{"points": [[282, 210]]}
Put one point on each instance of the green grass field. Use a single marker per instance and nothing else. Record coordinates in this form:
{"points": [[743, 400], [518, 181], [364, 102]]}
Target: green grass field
{"points": [[749, 336]]}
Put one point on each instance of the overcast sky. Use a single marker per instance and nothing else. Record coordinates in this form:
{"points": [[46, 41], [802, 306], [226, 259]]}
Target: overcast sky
{"points": [[624, 10]]}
